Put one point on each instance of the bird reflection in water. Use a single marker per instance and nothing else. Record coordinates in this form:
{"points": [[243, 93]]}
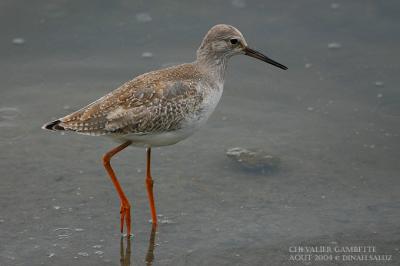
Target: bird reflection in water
{"points": [[125, 253]]}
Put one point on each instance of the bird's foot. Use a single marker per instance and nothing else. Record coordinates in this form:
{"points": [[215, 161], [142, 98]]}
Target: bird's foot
{"points": [[125, 213]]}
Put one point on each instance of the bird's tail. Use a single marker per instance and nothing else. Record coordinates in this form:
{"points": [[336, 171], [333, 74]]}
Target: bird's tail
{"points": [[54, 125]]}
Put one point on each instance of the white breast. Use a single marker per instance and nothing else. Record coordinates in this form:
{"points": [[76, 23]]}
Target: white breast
{"points": [[211, 97]]}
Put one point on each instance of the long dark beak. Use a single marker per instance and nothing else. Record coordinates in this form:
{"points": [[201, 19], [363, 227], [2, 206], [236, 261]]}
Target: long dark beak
{"points": [[253, 53]]}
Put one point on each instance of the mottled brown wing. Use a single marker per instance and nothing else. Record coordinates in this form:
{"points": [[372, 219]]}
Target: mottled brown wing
{"points": [[155, 110], [140, 106]]}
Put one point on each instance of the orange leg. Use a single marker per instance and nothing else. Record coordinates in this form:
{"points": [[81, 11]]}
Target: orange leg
{"points": [[149, 184], [125, 210]]}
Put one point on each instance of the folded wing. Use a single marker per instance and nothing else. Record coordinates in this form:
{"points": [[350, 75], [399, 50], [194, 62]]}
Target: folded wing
{"points": [[140, 106]]}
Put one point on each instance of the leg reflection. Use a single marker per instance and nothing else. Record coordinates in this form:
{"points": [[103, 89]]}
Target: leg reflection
{"points": [[150, 249], [125, 254], [125, 259]]}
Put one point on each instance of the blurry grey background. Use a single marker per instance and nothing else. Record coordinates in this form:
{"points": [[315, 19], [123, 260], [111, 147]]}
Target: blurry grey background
{"points": [[332, 119]]}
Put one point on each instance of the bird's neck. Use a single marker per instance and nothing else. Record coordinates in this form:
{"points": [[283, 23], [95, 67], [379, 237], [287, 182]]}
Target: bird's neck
{"points": [[213, 66]]}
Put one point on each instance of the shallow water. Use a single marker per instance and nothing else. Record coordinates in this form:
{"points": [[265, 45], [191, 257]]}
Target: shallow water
{"points": [[332, 119]]}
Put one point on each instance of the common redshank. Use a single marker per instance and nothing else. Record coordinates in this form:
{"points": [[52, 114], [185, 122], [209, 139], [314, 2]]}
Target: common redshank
{"points": [[161, 107]]}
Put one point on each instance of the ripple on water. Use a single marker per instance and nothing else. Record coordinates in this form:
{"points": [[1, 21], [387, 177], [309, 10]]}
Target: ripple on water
{"points": [[334, 45], [143, 17], [163, 220], [147, 54], [335, 5], [239, 3], [18, 41]]}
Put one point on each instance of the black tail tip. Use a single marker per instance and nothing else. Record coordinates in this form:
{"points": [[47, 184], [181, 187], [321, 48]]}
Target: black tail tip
{"points": [[53, 126]]}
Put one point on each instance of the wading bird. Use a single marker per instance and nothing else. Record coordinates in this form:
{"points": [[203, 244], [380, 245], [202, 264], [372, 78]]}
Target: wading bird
{"points": [[161, 107]]}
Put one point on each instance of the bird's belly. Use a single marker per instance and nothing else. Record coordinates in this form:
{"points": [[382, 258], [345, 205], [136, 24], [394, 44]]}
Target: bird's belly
{"points": [[157, 139]]}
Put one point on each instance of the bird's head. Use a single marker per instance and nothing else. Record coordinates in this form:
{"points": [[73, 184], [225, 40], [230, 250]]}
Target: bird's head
{"points": [[223, 41]]}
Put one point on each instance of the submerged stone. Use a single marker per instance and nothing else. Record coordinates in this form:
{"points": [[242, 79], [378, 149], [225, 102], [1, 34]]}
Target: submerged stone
{"points": [[254, 160]]}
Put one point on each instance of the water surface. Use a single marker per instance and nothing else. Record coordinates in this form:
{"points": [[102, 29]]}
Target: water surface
{"points": [[332, 119]]}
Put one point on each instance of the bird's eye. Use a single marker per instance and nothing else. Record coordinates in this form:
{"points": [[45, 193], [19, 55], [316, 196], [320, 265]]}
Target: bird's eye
{"points": [[234, 41]]}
